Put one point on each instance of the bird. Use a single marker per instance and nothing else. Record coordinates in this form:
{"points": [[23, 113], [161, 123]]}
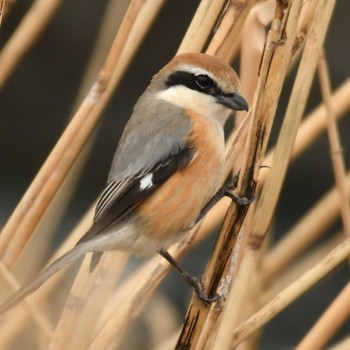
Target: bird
{"points": [[167, 170]]}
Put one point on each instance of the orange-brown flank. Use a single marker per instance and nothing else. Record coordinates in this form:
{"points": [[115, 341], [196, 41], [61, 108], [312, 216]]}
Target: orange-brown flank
{"points": [[176, 204]]}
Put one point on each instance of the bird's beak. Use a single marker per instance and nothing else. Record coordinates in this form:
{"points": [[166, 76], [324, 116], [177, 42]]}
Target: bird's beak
{"points": [[233, 101]]}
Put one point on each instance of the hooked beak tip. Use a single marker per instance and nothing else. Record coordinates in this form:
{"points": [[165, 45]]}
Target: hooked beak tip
{"points": [[234, 101]]}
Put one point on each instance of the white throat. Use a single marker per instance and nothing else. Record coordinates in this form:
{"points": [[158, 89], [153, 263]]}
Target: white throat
{"points": [[203, 104]]}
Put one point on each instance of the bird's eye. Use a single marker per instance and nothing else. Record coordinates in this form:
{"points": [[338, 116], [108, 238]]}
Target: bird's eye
{"points": [[203, 81]]}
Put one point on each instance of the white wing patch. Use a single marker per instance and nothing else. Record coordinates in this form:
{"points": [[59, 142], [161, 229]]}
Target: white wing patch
{"points": [[146, 182]]}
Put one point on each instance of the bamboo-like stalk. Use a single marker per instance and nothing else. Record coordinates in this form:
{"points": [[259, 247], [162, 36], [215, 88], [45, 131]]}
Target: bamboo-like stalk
{"points": [[225, 41], [142, 23], [335, 315], [263, 112], [335, 144], [75, 328], [343, 344], [315, 123], [306, 231], [24, 37], [86, 300], [41, 321], [160, 308], [292, 292], [38, 196], [254, 34], [202, 23], [9, 329], [293, 270], [271, 190], [2, 9]]}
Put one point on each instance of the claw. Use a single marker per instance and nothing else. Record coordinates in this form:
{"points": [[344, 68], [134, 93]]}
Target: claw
{"points": [[240, 200], [194, 282]]}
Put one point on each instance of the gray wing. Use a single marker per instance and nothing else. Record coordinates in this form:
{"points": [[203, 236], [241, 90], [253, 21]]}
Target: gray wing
{"points": [[143, 161], [146, 141]]}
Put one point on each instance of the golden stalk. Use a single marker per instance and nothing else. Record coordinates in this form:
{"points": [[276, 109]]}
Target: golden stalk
{"points": [[292, 292], [96, 318], [335, 144], [35, 201], [25, 35], [336, 314], [269, 196]]}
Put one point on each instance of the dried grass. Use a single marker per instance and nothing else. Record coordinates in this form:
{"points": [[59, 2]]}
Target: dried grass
{"points": [[256, 280]]}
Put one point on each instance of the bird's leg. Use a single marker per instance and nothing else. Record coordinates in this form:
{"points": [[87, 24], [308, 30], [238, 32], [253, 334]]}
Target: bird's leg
{"points": [[193, 281], [229, 185]]}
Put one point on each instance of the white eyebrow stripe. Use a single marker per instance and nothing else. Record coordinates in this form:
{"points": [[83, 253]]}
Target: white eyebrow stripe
{"points": [[195, 70]]}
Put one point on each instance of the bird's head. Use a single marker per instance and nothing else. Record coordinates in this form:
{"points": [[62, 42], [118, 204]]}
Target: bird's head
{"points": [[200, 82]]}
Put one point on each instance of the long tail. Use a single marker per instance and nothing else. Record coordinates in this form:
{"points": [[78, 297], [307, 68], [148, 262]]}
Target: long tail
{"points": [[66, 259]]}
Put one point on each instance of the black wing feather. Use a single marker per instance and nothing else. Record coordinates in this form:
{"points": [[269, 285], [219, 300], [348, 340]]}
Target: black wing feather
{"points": [[119, 199]]}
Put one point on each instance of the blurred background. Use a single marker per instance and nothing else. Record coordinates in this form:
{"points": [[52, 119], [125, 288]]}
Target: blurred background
{"points": [[40, 96]]}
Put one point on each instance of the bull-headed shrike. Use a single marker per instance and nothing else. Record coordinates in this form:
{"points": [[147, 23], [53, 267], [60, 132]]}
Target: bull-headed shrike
{"points": [[168, 166]]}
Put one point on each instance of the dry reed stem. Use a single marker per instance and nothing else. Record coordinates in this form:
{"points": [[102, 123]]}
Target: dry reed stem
{"points": [[326, 326], [142, 22], [195, 304], [161, 308], [253, 43], [135, 293], [292, 271], [25, 35], [86, 301], [271, 190], [303, 28], [2, 10], [113, 16], [127, 310], [343, 344], [292, 118], [32, 206], [52, 218], [339, 311], [316, 121], [335, 144], [225, 41], [309, 228], [273, 69], [292, 292], [35, 201], [8, 331], [169, 343], [39, 318], [202, 23]]}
